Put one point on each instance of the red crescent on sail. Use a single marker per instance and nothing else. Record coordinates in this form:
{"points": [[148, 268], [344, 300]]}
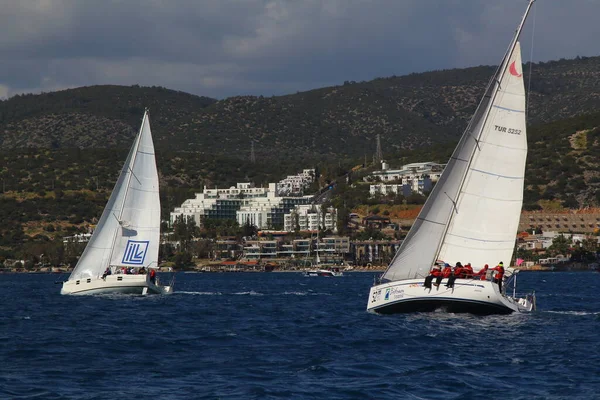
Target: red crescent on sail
{"points": [[513, 70]]}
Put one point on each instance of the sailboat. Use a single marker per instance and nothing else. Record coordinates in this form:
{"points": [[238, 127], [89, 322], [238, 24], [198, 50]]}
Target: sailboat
{"points": [[319, 269], [122, 254], [472, 214]]}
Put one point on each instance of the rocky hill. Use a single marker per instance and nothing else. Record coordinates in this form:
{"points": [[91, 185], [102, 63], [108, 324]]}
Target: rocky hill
{"points": [[408, 112]]}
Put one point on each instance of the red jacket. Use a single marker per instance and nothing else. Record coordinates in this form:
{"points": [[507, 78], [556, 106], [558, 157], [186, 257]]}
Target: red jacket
{"points": [[481, 273], [436, 272], [500, 270], [446, 272], [468, 271]]}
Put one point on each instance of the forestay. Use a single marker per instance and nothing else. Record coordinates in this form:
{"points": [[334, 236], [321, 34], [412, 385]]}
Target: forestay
{"points": [[129, 229]]}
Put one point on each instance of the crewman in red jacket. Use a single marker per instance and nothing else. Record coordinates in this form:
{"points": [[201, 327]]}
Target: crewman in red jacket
{"points": [[436, 271], [499, 274], [481, 273], [468, 271], [446, 272]]}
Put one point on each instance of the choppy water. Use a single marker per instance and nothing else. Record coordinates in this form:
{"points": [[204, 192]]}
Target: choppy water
{"points": [[285, 336]]}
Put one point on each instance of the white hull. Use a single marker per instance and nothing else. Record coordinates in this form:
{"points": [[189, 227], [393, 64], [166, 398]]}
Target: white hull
{"points": [[323, 272], [121, 283], [468, 295]]}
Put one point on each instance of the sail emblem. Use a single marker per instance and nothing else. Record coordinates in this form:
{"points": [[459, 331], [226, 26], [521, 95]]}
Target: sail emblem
{"points": [[513, 70], [135, 252]]}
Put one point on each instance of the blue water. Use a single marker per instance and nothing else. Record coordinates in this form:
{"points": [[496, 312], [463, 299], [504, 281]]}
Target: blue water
{"points": [[285, 336]]}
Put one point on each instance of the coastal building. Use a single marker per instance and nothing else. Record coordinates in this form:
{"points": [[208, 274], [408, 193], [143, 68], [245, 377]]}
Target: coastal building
{"points": [[296, 184], [328, 248], [310, 218], [583, 221], [375, 252], [406, 188], [262, 207], [412, 171]]}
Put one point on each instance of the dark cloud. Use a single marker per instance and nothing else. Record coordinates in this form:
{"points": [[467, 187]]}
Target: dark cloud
{"points": [[226, 47]]}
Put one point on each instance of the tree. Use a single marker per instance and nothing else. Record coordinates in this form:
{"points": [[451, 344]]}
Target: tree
{"points": [[249, 230], [560, 245], [184, 231]]}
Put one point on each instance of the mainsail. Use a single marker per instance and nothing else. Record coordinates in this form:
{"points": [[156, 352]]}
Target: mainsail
{"points": [[128, 232], [473, 212]]}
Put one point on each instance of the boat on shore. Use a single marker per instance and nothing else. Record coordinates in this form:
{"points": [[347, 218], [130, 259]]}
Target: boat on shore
{"points": [[472, 214], [122, 254]]}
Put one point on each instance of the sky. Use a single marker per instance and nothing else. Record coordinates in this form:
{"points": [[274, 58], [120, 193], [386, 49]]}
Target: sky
{"points": [[222, 48]]}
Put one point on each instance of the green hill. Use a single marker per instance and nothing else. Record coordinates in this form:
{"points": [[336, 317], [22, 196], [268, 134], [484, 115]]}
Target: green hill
{"points": [[61, 152], [408, 112]]}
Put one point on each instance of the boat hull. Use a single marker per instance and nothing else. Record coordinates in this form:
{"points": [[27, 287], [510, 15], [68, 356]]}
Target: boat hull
{"points": [[467, 296], [324, 272], [122, 284]]}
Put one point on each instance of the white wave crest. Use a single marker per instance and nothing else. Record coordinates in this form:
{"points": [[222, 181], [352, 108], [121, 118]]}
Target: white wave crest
{"points": [[575, 312], [200, 293]]}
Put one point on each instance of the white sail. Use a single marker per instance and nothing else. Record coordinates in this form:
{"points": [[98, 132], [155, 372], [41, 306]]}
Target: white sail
{"points": [[484, 227], [471, 194], [128, 232]]}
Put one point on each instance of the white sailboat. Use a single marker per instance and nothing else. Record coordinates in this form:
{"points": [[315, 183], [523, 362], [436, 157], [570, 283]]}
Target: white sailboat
{"points": [[472, 214], [319, 269], [122, 254]]}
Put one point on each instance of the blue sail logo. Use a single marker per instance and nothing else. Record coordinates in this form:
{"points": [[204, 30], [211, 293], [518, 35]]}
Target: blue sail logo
{"points": [[135, 252]]}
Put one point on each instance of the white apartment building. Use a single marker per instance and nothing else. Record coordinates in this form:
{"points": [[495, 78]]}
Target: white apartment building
{"points": [[296, 184], [310, 218], [262, 207], [412, 171], [406, 188]]}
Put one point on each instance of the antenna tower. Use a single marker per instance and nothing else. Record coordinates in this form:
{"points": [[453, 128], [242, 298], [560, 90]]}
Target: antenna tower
{"points": [[378, 154]]}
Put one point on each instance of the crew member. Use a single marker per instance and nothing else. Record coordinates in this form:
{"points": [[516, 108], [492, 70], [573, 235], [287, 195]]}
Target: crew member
{"points": [[468, 271], [499, 274], [435, 272], [446, 272], [481, 273]]}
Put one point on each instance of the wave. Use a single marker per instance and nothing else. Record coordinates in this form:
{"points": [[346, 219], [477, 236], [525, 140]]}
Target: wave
{"points": [[199, 293], [250, 293], [575, 312]]}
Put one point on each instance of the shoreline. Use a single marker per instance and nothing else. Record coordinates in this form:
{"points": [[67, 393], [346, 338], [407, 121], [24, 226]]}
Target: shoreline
{"points": [[226, 270]]}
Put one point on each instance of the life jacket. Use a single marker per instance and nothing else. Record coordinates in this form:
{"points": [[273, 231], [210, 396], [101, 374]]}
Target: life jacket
{"points": [[481, 273], [447, 272], [468, 270], [500, 270]]}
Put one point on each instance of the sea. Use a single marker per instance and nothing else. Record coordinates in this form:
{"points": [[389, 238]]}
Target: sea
{"points": [[286, 336]]}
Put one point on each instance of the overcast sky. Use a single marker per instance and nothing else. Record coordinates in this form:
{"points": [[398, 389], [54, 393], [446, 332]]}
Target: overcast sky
{"points": [[221, 48]]}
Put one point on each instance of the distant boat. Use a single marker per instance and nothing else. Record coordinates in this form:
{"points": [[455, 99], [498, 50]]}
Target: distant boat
{"points": [[122, 254], [324, 269], [324, 272], [472, 214]]}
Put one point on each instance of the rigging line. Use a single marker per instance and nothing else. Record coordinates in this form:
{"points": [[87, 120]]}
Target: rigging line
{"points": [[133, 173], [530, 62], [453, 202]]}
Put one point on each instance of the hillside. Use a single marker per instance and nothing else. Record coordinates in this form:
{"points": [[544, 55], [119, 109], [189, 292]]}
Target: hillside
{"points": [[408, 112], [61, 152]]}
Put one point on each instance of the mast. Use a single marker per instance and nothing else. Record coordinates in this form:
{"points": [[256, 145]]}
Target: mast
{"points": [[129, 167], [494, 85]]}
